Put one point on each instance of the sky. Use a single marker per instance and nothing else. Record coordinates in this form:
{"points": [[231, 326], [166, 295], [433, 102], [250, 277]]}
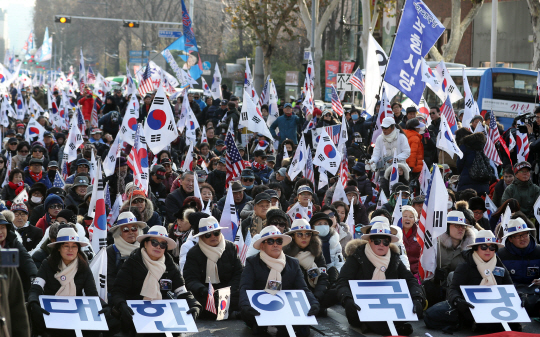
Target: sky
{"points": [[19, 21]]}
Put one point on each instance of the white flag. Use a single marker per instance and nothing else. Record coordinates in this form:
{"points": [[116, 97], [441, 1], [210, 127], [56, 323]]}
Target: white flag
{"points": [[34, 131], [431, 80], [188, 160], [398, 214], [446, 141], [327, 156], [339, 193], [491, 208], [21, 198], [206, 89], [382, 199], [424, 177], [20, 105], [8, 166], [471, 108], [299, 160], [273, 112], [92, 170], [505, 219], [229, 217], [394, 173], [323, 178], [447, 83], [536, 209], [129, 123], [188, 120], [115, 209], [251, 117], [203, 134], [343, 134], [298, 211], [109, 163], [248, 85], [216, 83], [350, 219], [159, 129], [385, 110], [224, 302], [74, 140], [98, 266]]}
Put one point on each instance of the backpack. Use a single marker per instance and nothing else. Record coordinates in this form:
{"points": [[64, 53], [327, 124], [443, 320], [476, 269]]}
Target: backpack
{"points": [[480, 169]]}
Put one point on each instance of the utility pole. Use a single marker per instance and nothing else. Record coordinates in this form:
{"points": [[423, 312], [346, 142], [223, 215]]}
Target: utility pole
{"points": [[493, 53]]}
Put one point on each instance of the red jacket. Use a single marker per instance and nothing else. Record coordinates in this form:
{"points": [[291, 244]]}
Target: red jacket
{"points": [[412, 247], [43, 224], [415, 160], [86, 105]]}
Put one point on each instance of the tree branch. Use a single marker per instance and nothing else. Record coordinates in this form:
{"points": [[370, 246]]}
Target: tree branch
{"points": [[435, 54], [470, 16]]}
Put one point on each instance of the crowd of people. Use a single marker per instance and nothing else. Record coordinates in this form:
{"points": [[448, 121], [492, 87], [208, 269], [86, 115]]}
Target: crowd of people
{"points": [[168, 244]]}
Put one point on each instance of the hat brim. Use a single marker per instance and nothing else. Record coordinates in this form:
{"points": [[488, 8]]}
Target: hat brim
{"points": [[140, 224], [516, 232], [170, 242], [286, 240], [213, 230], [481, 243], [303, 230], [366, 229], [458, 223], [52, 244]]}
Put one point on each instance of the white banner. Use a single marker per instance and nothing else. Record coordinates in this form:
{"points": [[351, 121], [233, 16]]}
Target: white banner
{"points": [[162, 316], [73, 313], [287, 307]]}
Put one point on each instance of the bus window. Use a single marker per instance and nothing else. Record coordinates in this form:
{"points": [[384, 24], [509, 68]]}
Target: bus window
{"points": [[514, 87]]}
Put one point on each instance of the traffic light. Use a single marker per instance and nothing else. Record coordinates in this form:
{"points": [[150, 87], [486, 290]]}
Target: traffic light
{"points": [[62, 19], [131, 24]]}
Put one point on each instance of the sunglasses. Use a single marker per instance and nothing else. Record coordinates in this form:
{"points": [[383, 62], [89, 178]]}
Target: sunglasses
{"points": [[1, 161], [127, 229], [331, 214], [37, 151], [493, 248], [216, 233], [247, 180], [385, 242], [301, 235], [432, 113], [156, 243], [137, 201], [385, 128], [278, 224], [271, 242], [55, 206]]}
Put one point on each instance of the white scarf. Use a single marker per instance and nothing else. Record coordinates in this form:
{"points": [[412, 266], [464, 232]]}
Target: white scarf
{"points": [[486, 269], [276, 267], [213, 254], [379, 262], [307, 261], [151, 289], [124, 247], [66, 277]]}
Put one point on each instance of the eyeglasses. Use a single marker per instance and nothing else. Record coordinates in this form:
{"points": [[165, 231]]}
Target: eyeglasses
{"points": [[385, 242], [156, 243], [20, 214], [271, 242], [55, 206], [247, 180], [306, 235], [493, 248], [37, 150], [520, 236], [1, 161], [127, 229], [24, 151], [216, 233], [459, 226], [278, 224], [137, 201]]}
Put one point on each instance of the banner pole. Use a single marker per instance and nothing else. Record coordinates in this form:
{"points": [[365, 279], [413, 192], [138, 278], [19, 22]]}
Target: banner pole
{"points": [[392, 328]]}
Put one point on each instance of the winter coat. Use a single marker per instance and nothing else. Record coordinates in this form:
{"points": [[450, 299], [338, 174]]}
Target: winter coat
{"points": [[345, 236], [332, 251], [41, 254], [398, 142], [190, 242], [149, 216], [30, 182], [498, 192], [255, 277], [525, 193], [169, 180], [523, 264], [469, 145], [263, 175], [30, 236], [360, 214], [27, 269], [358, 267], [216, 178], [415, 160], [174, 202], [109, 125], [288, 127], [229, 271], [364, 187], [113, 182], [467, 274], [8, 194], [413, 248], [73, 199], [430, 148], [159, 190], [114, 262], [239, 206], [130, 280], [448, 257], [12, 304], [53, 150], [87, 104]]}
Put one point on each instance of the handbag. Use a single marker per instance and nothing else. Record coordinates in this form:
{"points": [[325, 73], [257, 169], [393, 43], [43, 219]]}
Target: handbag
{"points": [[480, 168]]}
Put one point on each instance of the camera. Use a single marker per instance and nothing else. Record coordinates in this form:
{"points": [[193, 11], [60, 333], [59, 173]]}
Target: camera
{"points": [[525, 118], [9, 257]]}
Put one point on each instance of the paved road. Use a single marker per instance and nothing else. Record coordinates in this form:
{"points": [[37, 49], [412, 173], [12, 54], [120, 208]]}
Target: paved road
{"points": [[333, 325]]}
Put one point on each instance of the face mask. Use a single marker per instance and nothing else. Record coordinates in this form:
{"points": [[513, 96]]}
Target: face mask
{"points": [[354, 117], [422, 130], [404, 202], [449, 204], [36, 200], [248, 187], [323, 230]]}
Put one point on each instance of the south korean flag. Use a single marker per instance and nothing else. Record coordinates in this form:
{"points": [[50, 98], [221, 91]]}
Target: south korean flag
{"points": [[327, 155], [159, 128], [251, 117]]}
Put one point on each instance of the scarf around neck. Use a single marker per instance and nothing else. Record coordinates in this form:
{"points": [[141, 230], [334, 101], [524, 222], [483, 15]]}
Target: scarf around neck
{"points": [[276, 267], [36, 176], [213, 254], [124, 247], [486, 269], [17, 187], [258, 166], [392, 136], [307, 262], [259, 225], [66, 277], [151, 289], [379, 262]]}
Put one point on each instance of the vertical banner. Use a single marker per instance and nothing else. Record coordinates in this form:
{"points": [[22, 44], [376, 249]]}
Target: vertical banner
{"points": [[347, 67], [330, 75], [389, 22]]}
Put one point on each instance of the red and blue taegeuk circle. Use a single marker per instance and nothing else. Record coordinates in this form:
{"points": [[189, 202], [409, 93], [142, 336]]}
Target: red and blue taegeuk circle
{"points": [[191, 125], [33, 131], [330, 151], [156, 119], [143, 157], [132, 123], [223, 304], [2, 78]]}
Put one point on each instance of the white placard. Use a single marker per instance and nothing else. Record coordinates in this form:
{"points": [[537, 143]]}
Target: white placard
{"points": [[73, 312], [495, 304], [507, 106], [343, 84], [224, 303], [162, 316], [383, 300], [287, 307]]}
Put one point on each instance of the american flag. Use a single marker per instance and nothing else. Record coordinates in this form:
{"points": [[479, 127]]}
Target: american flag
{"points": [[309, 173], [80, 121], [493, 132], [245, 248], [336, 103], [58, 181], [107, 195], [491, 151], [357, 79], [94, 117], [493, 137], [263, 98], [90, 76], [522, 144], [138, 161], [65, 171], [210, 302], [344, 168], [448, 111], [333, 131], [233, 161], [145, 82]]}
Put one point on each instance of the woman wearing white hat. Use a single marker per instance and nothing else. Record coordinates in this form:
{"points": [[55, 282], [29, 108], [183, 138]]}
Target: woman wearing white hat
{"points": [[306, 246], [125, 233], [213, 259], [150, 274], [271, 270], [481, 267], [64, 273], [376, 257]]}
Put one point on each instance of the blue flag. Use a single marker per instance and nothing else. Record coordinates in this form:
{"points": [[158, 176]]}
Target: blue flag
{"points": [[58, 181], [418, 31], [187, 44]]}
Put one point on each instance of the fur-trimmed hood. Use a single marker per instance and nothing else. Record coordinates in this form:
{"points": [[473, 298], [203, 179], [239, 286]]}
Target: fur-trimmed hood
{"points": [[446, 241], [314, 247], [356, 243], [476, 141], [146, 214]]}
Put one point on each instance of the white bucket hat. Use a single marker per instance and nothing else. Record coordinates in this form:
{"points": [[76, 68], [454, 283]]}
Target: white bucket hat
{"points": [[158, 232], [388, 121], [517, 226], [67, 235], [300, 225], [485, 236], [127, 218], [379, 228], [208, 225], [269, 232], [456, 217]]}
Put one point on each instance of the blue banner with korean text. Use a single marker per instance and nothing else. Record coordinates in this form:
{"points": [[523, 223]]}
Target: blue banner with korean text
{"points": [[418, 31]]}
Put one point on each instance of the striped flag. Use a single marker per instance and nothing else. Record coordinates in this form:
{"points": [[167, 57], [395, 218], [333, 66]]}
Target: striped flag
{"points": [[80, 120], [210, 302], [336, 103], [357, 79], [145, 82], [90, 76], [491, 151], [138, 161], [243, 252], [82, 73], [344, 168], [448, 111], [308, 172], [522, 143], [233, 160], [495, 136], [94, 117]]}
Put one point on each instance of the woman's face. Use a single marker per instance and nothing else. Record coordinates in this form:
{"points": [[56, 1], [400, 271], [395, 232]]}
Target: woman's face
{"points": [[23, 151], [457, 231], [204, 150], [129, 233], [68, 252], [3, 233], [140, 203], [379, 249], [164, 155], [206, 194], [302, 238], [304, 198], [342, 213], [407, 219], [288, 147], [155, 253], [17, 178], [487, 254], [351, 196], [182, 226]]}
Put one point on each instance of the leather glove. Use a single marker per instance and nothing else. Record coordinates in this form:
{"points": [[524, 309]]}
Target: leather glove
{"points": [[462, 305], [105, 310], [349, 304], [249, 310], [418, 309], [36, 308], [314, 310], [126, 314], [194, 311]]}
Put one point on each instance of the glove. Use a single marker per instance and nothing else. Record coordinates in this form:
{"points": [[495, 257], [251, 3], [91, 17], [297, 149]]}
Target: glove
{"points": [[418, 309], [194, 311], [105, 310], [426, 135], [462, 305], [314, 310], [349, 304], [37, 309], [248, 310]]}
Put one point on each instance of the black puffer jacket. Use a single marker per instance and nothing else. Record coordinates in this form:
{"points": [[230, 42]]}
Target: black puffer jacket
{"points": [[41, 254], [358, 267], [130, 280], [255, 277], [73, 199], [27, 269], [229, 270], [30, 236], [364, 187], [113, 264], [174, 202]]}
